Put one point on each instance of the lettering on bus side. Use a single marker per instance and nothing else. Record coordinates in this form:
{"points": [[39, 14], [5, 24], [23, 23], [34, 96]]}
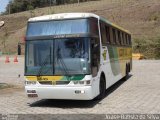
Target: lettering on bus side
{"points": [[66, 35], [39, 78]]}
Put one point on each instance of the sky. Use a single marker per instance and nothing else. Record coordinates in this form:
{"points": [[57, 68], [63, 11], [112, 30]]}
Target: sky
{"points": [[3, 4]]}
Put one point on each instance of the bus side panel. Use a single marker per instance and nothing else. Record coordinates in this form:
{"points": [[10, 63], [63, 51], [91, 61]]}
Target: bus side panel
{"points": [[114, 65], [110, 65]]}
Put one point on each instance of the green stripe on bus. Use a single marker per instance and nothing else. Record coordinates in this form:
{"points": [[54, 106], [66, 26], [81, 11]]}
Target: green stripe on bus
{"points": [[75, 77], [113, 54]]}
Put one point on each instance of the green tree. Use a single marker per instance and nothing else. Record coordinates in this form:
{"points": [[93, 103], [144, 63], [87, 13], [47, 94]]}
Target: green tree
{"points": [[23, 5]]}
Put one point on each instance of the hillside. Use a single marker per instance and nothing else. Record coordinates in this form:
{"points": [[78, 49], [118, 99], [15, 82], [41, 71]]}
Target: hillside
{"points": [[140, 17]]}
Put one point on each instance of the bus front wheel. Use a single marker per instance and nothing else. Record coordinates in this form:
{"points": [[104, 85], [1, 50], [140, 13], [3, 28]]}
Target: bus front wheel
{"points": [[102, 88]]}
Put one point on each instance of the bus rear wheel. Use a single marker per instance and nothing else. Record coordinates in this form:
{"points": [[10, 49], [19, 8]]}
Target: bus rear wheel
{"points": [[129, 67], [127, 71], [102, 88]]}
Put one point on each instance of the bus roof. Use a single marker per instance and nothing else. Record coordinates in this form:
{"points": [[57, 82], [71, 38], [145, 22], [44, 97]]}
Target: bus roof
{"points": [[74, 16], [64, 16], [114, 25]]}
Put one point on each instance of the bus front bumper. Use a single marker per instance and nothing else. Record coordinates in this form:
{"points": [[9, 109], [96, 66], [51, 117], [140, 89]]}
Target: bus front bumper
{"points": [[55, 92]]}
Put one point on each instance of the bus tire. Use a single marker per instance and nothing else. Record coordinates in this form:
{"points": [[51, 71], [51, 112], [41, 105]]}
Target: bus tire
{"points": [[127, 71], [129, 67], [102, 88]]}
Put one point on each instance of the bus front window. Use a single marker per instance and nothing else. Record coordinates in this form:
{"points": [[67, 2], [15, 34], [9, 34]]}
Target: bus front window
{"points": [[72, 56], [68, 56], [39, 56]]}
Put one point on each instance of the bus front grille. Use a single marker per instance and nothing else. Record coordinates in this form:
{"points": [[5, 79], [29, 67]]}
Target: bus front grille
{"points": [[45, 82], [62, 82], [54, 82]]}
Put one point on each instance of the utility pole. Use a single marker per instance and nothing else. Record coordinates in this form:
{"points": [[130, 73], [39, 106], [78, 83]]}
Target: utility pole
{"points": [[78, 1], [9, 9], [50, 6]]}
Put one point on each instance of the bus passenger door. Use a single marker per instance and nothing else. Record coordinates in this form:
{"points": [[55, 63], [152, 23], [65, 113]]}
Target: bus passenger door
{"points": [[95, 56]]}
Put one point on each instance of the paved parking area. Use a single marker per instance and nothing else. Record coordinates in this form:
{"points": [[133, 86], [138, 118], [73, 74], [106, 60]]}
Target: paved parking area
{"points": [[9, 72], [139, 94]]}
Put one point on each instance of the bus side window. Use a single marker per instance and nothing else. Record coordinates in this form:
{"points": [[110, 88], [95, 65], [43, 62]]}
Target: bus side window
{"points": [[94, 26], [103, 34], [108, 34], [119, 38], [122, 38], [114, 35], [111, 35], [126, 39], [130, 40]]}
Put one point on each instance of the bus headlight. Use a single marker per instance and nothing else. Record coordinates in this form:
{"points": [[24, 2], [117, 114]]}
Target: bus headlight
{"points": [[30, 82]]}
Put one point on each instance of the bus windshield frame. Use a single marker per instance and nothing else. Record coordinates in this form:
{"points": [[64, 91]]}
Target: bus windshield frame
{"points": [[67, 56]]}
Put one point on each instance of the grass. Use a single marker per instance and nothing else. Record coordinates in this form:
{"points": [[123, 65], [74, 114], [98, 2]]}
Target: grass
{"points": [[148, 47]]}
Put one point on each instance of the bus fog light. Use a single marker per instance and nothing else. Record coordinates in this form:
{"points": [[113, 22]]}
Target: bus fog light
{"points": [[82, 91]]}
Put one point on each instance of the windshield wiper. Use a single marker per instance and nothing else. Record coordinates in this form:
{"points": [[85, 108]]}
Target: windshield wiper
{"points": [[44, 63], [60, 59]]}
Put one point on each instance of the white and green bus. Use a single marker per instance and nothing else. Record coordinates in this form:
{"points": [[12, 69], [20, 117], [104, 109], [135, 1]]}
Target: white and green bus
{"points": [[74, 56]]}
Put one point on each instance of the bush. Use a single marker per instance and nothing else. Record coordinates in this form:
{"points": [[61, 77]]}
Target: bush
{"points": [[149, 48]]}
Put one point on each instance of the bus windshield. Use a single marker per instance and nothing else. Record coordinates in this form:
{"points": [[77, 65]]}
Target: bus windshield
{"points": [[67, 56]]}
